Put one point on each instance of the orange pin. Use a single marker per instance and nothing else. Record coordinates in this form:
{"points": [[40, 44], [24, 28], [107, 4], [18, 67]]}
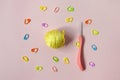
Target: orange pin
{"points": [[88, 21], [27, 21], [35, 50]]}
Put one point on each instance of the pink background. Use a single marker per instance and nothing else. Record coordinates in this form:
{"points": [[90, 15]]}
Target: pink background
{"points": [[106, 19]]}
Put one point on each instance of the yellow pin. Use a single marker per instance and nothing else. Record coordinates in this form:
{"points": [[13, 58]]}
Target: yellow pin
{"points": [[43, 8], [66, 60], [25, 58], [77, 44], [69, 19]]}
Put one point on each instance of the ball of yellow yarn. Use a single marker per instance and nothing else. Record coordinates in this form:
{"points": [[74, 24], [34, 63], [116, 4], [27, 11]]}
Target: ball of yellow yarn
{"points": [[55, 38]]}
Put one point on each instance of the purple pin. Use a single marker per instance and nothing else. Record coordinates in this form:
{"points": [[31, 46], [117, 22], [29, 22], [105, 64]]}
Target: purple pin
{"points": [[92, 64], [45, 25]]}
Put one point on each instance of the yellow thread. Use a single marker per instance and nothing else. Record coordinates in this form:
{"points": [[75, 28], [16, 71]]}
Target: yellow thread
{"points": [[55, 39]]}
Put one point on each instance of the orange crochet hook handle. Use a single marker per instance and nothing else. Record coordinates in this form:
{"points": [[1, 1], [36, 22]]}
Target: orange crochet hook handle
{"points": [[80, 57], [80, 53]]}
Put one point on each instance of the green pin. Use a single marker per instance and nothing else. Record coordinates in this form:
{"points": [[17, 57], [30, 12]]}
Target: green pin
{"points": [[56, 59], [38, 68], [95, 32], [70, 9]]}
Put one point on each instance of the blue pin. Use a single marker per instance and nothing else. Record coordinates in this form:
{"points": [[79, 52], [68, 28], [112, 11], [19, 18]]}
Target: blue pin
{"points": [[26, 36], [94, 47]]}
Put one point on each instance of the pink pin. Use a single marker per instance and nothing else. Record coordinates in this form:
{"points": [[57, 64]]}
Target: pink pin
{"points": [[54, 68], [56, 10]]}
